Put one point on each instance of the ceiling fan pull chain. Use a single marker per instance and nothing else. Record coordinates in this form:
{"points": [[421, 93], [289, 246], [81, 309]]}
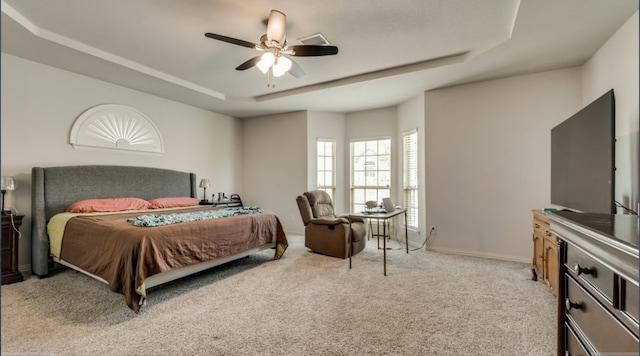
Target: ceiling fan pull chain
{"points": [[270, 78]]}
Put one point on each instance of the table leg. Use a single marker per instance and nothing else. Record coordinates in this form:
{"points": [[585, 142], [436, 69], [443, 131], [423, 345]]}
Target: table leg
{"points": [[406, 232], [378, 231], [384, 245]]}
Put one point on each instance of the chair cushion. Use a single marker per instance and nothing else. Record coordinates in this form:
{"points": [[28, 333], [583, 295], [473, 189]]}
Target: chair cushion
{"points": [[321, 204], [318, 197]]}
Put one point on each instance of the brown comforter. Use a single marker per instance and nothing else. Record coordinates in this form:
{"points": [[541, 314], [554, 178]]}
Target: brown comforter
{"points": [[125, 255]]}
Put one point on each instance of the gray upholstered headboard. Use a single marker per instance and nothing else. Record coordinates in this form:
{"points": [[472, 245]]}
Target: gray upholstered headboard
{"points": [[55, 188]]}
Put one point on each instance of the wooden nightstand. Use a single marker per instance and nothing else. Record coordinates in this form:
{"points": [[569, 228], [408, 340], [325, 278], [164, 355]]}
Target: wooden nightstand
{"points": [[10, 234]]}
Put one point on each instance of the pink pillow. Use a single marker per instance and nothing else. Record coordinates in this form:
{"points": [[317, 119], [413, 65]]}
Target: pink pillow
{"points": [[172, 202], [109, 204]]}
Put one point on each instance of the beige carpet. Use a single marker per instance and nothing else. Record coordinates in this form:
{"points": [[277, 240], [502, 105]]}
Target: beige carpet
{"points": [[303, 304]]}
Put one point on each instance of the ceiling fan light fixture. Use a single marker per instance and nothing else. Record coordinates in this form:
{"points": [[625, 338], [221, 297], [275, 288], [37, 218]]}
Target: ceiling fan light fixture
{"points": [[277, 72], [282, 65], [274, 44], [266, 62]]}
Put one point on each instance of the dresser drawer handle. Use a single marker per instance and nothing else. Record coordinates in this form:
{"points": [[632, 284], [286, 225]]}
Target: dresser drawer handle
{"points": [[586, 270], [571, 305]]}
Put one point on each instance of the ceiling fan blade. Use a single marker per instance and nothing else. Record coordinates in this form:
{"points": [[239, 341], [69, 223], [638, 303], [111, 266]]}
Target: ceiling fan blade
{"points": [[295, 69], [276, 27], [312, 50], [232, 40], [250, 63]]}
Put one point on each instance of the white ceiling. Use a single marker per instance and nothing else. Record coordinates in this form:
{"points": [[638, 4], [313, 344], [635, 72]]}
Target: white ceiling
{"points": [[388, 51]]}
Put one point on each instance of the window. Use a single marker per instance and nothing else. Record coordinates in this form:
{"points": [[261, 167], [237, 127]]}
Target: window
{"points": [[326, 151], [370, 172], [410, 177]]}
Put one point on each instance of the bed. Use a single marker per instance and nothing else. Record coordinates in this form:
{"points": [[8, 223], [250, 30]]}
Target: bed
{"points": [[129, 258]]}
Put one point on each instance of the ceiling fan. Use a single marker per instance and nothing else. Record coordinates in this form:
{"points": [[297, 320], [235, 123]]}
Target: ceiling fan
{"points": [[275, 62]]}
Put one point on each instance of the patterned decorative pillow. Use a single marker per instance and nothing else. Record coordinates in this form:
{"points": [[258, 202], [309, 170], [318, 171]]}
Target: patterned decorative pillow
{"points": [[108, 204], [172, 202]]}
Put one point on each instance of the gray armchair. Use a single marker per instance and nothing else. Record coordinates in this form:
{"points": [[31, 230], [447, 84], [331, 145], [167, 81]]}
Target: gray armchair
{"points": [[327, 233]]}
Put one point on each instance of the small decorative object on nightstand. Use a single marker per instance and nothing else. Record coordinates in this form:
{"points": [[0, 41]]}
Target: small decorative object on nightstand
{"points": [[10, 235], [204, 183]]}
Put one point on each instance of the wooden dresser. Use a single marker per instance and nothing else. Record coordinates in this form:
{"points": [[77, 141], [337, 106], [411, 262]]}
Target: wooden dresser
{"points": [[598, 293], [545, 252]]}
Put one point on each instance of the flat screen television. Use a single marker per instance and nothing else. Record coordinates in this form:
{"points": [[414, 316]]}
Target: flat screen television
{"points": [[583, 159]]}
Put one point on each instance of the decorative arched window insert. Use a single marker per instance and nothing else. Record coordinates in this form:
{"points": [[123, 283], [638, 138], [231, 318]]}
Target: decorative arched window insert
{"points": [[115, 127]]}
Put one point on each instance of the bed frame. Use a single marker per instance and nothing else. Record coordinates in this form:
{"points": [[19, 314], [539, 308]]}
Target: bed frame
{"points": [[55, 188]]}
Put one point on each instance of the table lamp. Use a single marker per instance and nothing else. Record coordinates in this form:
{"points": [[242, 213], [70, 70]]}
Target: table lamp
{"points": [[8, 183], [204, 183]]}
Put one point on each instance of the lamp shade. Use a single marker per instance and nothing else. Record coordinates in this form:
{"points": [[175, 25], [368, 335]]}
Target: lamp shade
{"points": [[8, 183], [204, 183]]}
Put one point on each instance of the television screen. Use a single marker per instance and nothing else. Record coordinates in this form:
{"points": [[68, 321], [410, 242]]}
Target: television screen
{"points": [[583, 159]]}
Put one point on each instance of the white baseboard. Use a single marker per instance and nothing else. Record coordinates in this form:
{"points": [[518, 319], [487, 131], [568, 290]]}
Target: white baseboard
{"points": [[25, 270], [293, 232], [493, 256], [413, 244]]}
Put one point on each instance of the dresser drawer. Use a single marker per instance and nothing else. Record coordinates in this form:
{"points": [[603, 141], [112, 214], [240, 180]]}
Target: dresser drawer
{"points": [[629, 304], [573, 345], [604, 331], [631, 301], [592, 272]]}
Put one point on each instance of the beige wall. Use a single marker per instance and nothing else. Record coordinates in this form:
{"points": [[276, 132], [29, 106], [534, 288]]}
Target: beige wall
{"points": [[488, 160], [275, 164]]}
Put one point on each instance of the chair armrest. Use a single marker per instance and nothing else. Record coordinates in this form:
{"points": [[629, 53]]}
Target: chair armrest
{"points": [[352, 219], [336, 221]]}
